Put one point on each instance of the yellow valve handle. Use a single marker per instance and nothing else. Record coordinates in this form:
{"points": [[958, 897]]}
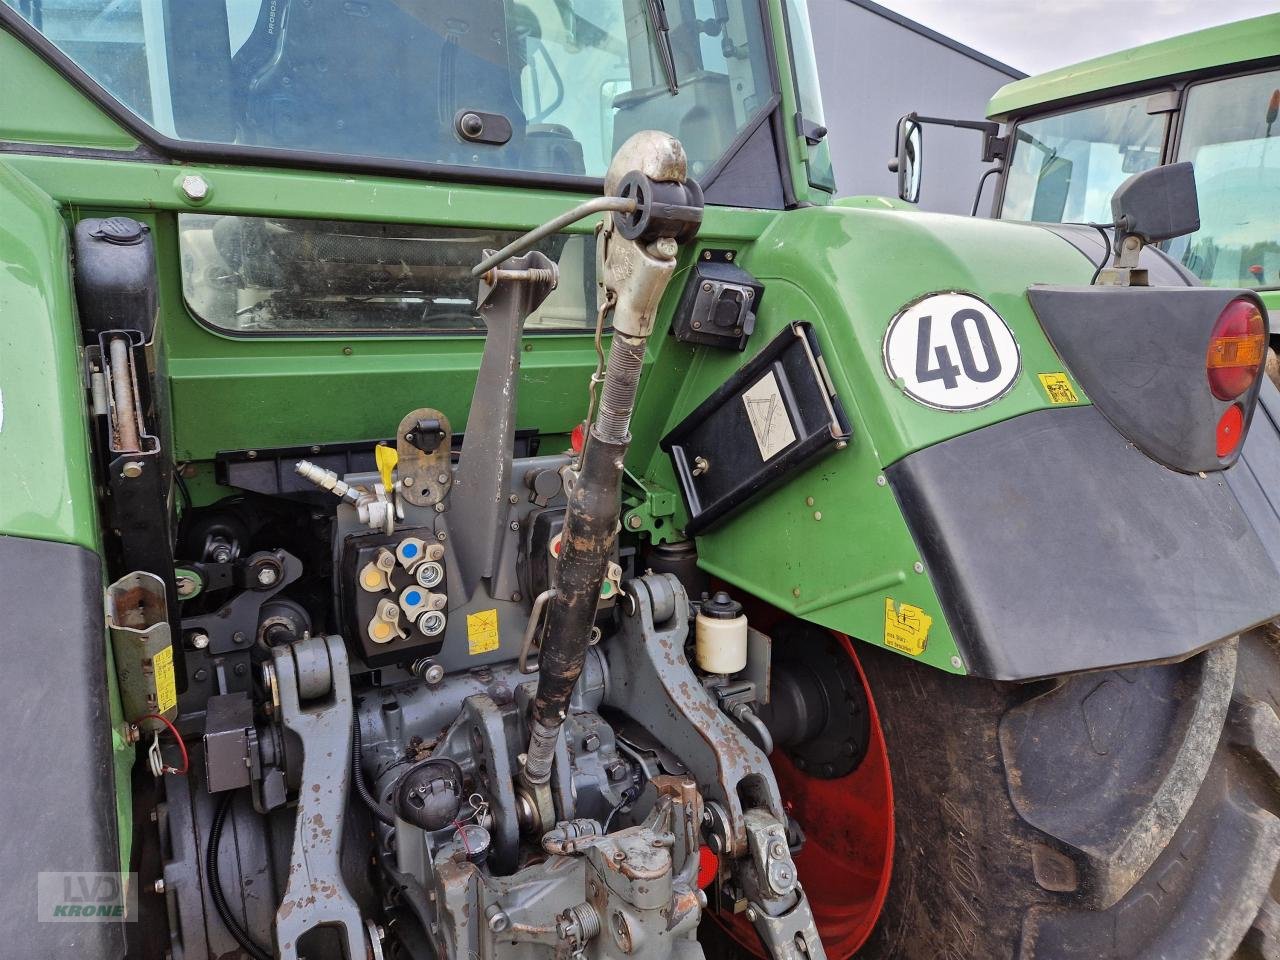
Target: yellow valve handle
{"points": [[386, 459]]}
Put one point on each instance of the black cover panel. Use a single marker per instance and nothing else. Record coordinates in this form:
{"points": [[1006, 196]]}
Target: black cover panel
{"points": [[1056, 546], [58, 811], [1139, 353], [1255, 479]]}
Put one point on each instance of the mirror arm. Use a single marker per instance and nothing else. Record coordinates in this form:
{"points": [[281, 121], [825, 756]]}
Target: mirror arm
{"points": [[994, 146]]}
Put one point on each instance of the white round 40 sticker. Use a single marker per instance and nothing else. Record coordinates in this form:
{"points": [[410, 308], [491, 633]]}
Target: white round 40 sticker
{"points": [[951, 351]]}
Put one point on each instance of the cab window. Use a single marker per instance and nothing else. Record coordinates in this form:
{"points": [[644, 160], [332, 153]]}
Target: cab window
{"points": [[1231, 135], [1064, 168], [557, 85]]}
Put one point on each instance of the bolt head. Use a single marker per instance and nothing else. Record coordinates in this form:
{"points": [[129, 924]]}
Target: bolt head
{"points": [[195, 187], [918, 567], [159, 885], [406, 481], [881, 481], [268, 576], [752, 914], [515, 524], [957, 663], [131, 470], [434, 673], [635, 522], [199, 641]]}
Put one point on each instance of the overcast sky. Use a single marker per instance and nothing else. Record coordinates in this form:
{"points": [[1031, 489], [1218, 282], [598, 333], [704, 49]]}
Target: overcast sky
{"points": [[1039, 35]]}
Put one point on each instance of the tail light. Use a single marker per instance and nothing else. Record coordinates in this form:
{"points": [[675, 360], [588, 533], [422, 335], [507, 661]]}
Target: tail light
{"points": [[1237, 348]]}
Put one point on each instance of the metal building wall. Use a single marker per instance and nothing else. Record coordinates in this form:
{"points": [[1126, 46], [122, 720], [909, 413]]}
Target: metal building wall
{"points": [[874, 66]]}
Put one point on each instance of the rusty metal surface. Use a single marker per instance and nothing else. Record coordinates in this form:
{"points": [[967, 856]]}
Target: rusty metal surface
{"points": [[590, 528], [424, 478], [315, 893]]}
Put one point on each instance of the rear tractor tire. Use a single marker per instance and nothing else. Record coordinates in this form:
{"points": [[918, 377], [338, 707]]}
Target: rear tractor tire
{"points": [[1121, 814]]}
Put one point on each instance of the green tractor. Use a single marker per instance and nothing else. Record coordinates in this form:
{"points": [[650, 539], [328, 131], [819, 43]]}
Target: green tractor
{"points": [[498, 505], [1211, 98]]}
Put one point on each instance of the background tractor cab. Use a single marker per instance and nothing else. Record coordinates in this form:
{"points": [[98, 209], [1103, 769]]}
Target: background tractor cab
{"points": [[1210, 98], [471, 491]]}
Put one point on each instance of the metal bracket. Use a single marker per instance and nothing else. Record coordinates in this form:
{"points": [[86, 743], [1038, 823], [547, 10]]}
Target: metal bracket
{"points": [[483, 480], [423, 470], [651, 678], [315, 704], [650, 509], [778, 905]]}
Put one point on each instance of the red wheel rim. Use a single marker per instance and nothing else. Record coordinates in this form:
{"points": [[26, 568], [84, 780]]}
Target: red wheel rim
{"points": [[847, 858]]}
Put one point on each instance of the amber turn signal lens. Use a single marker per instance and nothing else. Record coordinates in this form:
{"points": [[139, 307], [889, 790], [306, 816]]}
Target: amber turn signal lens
{"points": [[1237, 348]]}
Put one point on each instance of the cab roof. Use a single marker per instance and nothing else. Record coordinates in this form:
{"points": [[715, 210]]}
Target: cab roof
{"points": [[1231, 43]]}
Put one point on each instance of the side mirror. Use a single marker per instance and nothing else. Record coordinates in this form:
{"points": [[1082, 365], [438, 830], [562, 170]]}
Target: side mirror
{"points": [[907, 160], [1157, 204]]}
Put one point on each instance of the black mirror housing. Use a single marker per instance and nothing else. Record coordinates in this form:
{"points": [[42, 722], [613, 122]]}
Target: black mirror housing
{"points": [[1157, 204]]}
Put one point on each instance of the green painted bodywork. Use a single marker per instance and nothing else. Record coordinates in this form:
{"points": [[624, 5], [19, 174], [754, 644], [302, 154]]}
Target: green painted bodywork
{"points": [[45, 465], [1232, 43], [832, 545], [848, 268]]}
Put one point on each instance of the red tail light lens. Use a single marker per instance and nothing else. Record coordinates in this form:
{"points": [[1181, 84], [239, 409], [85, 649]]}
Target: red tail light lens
{"points": [[1237, 347], [1230, 430]]}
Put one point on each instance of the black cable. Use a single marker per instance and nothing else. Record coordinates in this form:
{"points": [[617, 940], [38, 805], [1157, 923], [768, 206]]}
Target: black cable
{"points": [[182, 487], [215, 882], [982, 182], [357, 775], [1102, 228]]}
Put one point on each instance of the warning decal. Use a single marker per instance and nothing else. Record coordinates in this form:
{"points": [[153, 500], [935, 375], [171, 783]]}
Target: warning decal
{"points": [[768, 417], [1058, 388], [166, 687], [482, 632], [906, 628]]}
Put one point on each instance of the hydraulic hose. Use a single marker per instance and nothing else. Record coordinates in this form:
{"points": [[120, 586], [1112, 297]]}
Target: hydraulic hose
{"points": [[590, 528], [215, 881], [357, 777]]}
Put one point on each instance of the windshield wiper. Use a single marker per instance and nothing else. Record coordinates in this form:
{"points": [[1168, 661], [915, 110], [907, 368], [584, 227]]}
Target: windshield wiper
{"points": [[662, 41]]}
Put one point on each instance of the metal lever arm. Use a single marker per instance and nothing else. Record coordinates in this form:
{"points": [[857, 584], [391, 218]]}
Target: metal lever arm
{"points": [[315, 703]]}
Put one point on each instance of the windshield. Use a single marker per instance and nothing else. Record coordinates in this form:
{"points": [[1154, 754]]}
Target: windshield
{"points": [[556, 85], [1229, 133], [1065, 168]]}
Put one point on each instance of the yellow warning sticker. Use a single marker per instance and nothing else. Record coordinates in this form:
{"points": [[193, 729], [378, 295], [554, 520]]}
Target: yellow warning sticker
{"points": [[1058, 388], [482, 632], [906, 628], [166, 686]]}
